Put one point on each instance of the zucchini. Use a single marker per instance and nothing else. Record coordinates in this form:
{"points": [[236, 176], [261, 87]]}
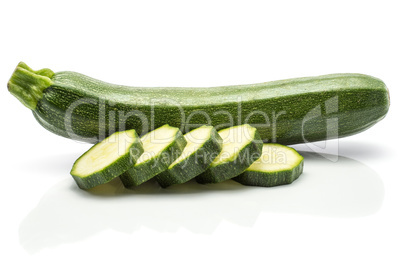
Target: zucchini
{"points": [[107, 159], [161, 147], [203, 145], [241, 146], [287, 111], [278, 165]]}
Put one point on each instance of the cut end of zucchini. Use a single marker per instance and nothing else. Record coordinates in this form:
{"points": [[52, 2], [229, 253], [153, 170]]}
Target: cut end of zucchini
{"points": [[241, 146], [278, 165], [161, 147], [156, 141], [107, 159], [27, 85], [203, 144], [234, 140], [276, 157], [105, 152], [195, 140]]}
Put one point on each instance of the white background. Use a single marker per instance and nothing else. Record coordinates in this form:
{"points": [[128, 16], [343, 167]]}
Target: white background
{"points": [[348, 208]]}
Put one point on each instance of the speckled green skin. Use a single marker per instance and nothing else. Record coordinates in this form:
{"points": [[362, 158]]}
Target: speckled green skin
{"points": [[194, 164], [268, 179], [229, 169], [146, 170], [361, 102], [113, 170]]}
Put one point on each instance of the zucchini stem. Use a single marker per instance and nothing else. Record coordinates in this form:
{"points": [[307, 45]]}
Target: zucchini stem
{"points": [[27, 85]]}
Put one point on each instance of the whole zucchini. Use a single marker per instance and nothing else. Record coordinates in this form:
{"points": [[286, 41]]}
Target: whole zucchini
{"points": [[287, 111]]}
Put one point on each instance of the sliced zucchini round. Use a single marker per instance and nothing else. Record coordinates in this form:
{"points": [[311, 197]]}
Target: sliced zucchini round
{"points": [[107, 159], [203, 145], [242, 146], [161, 147], [278, 165]]}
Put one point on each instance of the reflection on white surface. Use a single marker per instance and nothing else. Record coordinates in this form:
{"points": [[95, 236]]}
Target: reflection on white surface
{"points": [[66, 214]]}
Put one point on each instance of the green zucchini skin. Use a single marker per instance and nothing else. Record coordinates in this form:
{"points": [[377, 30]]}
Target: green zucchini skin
{"points": [[277, 109], [255, 178], [141, 173], [273, 178], [113, 170], [193, 165], [246, 156]]}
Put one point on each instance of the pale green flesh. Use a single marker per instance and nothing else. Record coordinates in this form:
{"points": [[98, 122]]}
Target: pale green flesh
{"points": [[156, 141], [195, 139], [104, 153], [234, 140], [276, 157]]}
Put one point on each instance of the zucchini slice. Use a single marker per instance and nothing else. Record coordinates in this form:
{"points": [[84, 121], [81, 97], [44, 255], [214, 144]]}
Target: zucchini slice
{"points": [[161, 147], [203, 145], [242, 146], [278, 165], [107, 159]]}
